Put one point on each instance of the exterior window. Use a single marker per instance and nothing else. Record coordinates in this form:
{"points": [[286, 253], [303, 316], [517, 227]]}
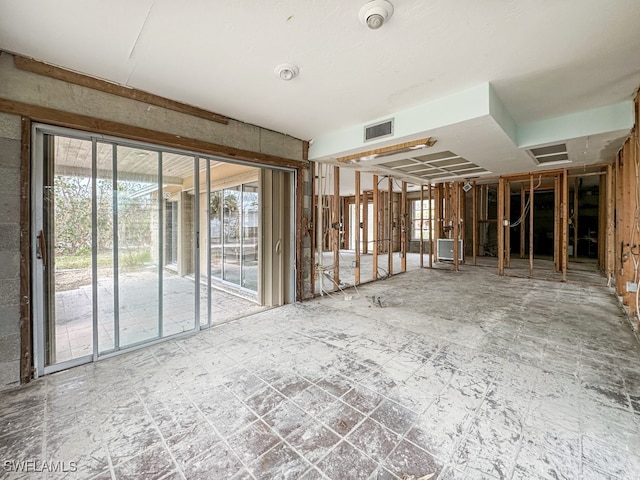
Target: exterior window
{"points": [[416, 207]]}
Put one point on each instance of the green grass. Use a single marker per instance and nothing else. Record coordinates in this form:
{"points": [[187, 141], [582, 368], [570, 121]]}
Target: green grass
{"points": [[128, 260]]}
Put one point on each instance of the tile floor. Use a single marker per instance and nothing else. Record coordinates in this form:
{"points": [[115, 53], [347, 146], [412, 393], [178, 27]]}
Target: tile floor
{"points": [[461, 375]]}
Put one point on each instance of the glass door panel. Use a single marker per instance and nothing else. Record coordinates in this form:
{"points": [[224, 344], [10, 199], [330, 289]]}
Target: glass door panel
{"points": [[67, 231], [138, 249], [250, 223], [178, 288], [216, 232], [204, 172], [105, 253], [231, 242]]}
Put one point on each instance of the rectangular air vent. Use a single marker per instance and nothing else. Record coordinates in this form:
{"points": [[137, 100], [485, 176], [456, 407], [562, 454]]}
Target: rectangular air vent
{"points": [[378, 130], [551, 155]]}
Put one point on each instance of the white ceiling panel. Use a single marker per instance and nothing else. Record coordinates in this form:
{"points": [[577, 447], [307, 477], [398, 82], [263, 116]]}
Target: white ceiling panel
{"points": [[543, 58]]}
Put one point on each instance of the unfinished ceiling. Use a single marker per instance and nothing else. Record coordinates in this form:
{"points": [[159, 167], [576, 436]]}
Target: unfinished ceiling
{"points": [[488, 80]]}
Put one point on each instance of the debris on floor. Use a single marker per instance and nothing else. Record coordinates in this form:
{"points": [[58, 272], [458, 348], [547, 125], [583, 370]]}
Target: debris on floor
{"points": [[376, 300], [413, 477]]}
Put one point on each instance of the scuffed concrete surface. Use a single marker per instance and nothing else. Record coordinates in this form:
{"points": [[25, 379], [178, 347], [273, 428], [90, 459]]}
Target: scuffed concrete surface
{"points": [[465, 375]]}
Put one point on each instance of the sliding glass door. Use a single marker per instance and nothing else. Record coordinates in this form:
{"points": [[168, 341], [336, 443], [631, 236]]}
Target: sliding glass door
{"points": [[64, 249], [234, 234], [116, 249], [134, 243], [250, 236]]}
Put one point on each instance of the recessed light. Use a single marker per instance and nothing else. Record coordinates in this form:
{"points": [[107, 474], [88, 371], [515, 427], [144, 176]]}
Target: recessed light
{"points": [[286, 71]]}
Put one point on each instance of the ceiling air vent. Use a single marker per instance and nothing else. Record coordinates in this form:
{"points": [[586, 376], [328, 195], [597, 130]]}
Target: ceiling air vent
{"points": [[378, 130], [551, 155]]}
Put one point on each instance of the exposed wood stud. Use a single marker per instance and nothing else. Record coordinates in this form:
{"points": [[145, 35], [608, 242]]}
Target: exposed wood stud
{"points": [[619, 238], [376, 226], [557, 230], [565, 224], [421, 226], [610, 224], [474, 222], [630, 233], [522, 222], [346, 221], [438, 220], [602, 223], [357, 227], [531, 220], [455, 218], [315, 174], [501, 226], [365, 222], [299, 185], [335, 221], [390, 228], [507, 214], [404, 226], [576, 182], [462, 208], [431, 226]]}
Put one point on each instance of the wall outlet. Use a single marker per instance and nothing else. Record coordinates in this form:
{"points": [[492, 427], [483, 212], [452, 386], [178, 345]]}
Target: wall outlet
{"points": [[632, 287], [354, 264]]}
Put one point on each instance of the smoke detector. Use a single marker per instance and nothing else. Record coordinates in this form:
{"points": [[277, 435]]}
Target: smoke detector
{"points": [[375, 13], [286, 71]]}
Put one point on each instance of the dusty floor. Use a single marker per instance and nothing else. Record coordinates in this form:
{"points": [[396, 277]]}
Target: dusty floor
{"points": [[465, 375]]}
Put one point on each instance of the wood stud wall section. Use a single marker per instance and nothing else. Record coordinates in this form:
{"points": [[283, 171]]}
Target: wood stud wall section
{"points": [[623, 238], [618, 228], [357, 229]]}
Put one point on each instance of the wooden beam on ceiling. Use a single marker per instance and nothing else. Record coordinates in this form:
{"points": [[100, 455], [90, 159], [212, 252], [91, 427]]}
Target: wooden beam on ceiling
{"points": [[390, 150], [40, 68], [107, 127]]}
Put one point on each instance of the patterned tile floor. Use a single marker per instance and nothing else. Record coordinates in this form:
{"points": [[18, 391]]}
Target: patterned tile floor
{"points": [[461, 375]]}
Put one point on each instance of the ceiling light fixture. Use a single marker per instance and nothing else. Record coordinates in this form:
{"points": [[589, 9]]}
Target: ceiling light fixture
{"points": [[286, 71], [375, 13]]}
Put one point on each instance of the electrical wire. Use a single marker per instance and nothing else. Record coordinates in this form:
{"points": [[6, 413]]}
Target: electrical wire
{"points": [[636, 227], [525, 211]]}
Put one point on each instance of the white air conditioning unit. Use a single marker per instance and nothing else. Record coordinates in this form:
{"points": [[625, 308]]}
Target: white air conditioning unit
{"points": [[445, 249]]}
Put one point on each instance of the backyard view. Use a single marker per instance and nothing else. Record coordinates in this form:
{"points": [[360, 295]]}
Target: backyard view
{"points": [[120, 228]]}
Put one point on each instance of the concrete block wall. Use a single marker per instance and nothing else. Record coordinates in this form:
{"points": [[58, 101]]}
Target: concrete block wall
{"points": [[35, 89], [10, 134]]}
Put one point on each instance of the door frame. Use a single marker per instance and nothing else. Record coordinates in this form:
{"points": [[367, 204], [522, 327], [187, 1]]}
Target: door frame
{"points": [[38, 333]]}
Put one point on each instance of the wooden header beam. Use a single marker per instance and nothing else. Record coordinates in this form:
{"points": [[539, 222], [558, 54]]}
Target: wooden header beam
{"points": [[427, 142], [107, 127], [40, 68]]}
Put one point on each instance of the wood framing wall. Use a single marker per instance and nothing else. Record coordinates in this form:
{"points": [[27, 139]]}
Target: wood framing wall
{"points": [[623, 257], [489, 209]]}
